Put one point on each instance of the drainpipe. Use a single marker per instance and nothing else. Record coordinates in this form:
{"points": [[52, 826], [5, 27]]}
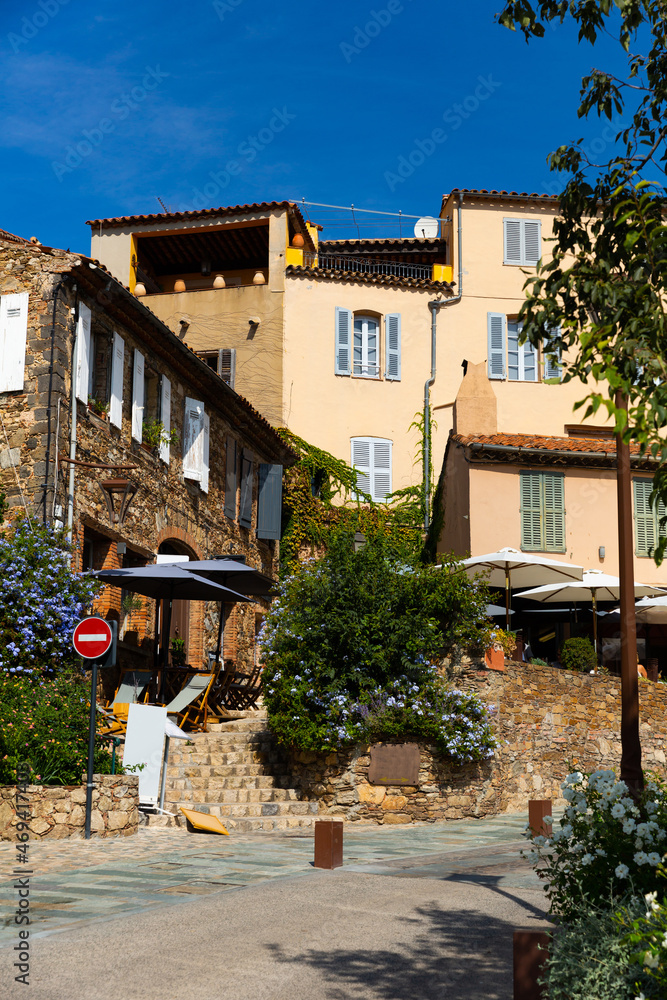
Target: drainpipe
{"points": [[434, 305], [72, 430]]}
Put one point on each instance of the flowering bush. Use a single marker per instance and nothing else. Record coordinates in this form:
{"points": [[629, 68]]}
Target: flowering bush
{"points": [[351, 644], [607, 846], [646, 938]]}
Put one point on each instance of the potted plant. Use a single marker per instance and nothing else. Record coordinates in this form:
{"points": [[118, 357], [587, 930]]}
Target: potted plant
{"points": [[98, 407], [177, 647], [153, 435]]}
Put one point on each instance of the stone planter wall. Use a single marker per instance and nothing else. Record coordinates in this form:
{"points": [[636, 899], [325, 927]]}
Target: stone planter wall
{"points": [[59, 811]]}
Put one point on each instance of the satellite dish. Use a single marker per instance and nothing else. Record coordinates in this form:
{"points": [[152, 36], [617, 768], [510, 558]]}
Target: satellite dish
{"points": [[427, 228]]}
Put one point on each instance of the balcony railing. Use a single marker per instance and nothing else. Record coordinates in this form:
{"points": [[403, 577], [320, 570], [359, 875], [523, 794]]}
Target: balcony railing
{"points": [[361, 265]]}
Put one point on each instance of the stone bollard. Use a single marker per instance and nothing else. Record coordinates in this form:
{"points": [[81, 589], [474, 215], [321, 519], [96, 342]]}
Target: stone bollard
{"points": [[328, 843], [537, 810], [530, 953]]}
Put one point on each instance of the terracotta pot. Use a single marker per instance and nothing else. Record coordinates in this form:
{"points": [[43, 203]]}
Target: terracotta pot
{"points": [[139, 289], [219, 281], [259, 278], [179, 285], [298, 241], [494, 658]]}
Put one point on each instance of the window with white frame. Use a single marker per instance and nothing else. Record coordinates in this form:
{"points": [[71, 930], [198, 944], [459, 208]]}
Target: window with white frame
{"points": [[366, 347], [522, 241], [358, 341], [13, 339], [509, 359], [371, 458]]}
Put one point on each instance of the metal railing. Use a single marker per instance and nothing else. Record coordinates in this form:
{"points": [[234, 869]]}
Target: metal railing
{"points": [[362, 265]]}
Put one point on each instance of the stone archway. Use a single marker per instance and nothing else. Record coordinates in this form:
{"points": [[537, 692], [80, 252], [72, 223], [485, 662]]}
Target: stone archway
{"points": [[187, 618]]}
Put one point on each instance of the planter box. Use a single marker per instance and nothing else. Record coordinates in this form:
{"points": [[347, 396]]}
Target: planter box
{"points": [[494, 659]]}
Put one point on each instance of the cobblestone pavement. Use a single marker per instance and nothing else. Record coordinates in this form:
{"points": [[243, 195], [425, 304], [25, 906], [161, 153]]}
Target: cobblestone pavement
{"points": [[75, 881]]}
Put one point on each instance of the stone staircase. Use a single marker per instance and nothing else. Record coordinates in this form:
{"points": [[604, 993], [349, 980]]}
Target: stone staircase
{"points": [[236, 773]]}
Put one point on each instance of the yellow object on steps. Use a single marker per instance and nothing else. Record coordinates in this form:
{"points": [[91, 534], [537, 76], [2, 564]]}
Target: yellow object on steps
{"points": [[204, 821]]}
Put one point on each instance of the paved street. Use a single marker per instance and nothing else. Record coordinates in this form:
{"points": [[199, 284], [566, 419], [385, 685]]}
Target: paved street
{"points": [[423, 911]]}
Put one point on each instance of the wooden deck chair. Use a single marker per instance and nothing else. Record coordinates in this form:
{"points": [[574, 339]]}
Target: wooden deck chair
{"points": [[244, 689], [191, 703], [132, 685], [217, 696], [116, 720]]}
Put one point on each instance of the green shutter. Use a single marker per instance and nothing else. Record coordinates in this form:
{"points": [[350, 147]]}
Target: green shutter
{"points": [[542, 511], [531, 511], [645, 521], [554, 512]]}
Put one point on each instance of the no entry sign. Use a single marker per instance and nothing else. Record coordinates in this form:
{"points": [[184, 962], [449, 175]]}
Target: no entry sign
{"points": [[92, 638]]}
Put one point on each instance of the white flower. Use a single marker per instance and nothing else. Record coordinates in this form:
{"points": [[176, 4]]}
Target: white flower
{"points": [[600, 852], [617, 811], [566, 830], [568, 794], [539, 841], [548, 820], [641, 858], [629, 824], [651, 961], [620, 788], [575, 778], [651, 807], [581, 806], [654, 859], [587, 858], [622, 871], [652, 906]]}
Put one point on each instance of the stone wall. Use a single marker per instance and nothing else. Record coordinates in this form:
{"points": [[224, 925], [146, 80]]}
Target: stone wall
{"points": [[59, 811], [548, 721]]}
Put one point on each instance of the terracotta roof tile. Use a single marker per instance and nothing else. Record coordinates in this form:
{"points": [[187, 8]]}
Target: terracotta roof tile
{"points": [[505, 195], [367, 279], [11, 238], [202, 213], [532, 442]]}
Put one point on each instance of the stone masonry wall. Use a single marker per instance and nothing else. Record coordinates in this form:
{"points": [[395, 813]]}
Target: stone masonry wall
{"points": [[59, 811], [548, 721]]}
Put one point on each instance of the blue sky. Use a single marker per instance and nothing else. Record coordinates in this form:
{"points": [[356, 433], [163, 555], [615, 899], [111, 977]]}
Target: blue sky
{"points": [[107, 106]]}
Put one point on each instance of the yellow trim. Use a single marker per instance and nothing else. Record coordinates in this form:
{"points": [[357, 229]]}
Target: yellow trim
{"points": [[294, 256], [133, 261], [443, 272]]}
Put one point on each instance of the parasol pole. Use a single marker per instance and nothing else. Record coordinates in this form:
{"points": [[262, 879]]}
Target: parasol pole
{"points": [[507, 597], [595, 628], [165, 635]]}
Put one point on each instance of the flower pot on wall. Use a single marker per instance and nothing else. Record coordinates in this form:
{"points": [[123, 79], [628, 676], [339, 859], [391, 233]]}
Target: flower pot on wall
{"points": [[179, 285], [259, 278], [139, 289], [219, 281], [494, 658], [298, 241]]}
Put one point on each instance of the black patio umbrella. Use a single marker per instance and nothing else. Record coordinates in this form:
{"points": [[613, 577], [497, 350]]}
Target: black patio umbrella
{"points": [[168, 582], [231, 573]]}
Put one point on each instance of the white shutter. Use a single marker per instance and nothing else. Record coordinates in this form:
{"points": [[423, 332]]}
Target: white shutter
{"points": [[83, 353], [13, 340], [138, 396], [117, 368], [205, 456], [522, 241], [343, 341], [193, 439], [165, 416], [381, 470], [392, 352], [552, 363], [512, 241], [496, 344], [532, 241], [361, 460], [514, 366], [529, 361]]}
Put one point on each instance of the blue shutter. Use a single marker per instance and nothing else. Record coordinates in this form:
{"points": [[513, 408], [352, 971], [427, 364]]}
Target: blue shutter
{"points": [[361, 462], [343, 341], [230, 479], [245, 511], [552, 361], [269, 501], [392, 325], [512, 241], [532, 241], [496, 345], [381, 470]]}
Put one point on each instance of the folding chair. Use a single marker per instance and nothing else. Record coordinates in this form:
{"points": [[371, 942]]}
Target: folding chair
{"points": [[132, 685], [191, 703], [218, 694], [245, 689]]}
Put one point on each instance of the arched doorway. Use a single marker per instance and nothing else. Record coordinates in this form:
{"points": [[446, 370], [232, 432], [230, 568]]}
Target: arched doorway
{"points": [[181, 625]]}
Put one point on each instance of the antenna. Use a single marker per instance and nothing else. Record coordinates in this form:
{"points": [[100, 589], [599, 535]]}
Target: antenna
{"points": [[164, 207], [427, 228]]}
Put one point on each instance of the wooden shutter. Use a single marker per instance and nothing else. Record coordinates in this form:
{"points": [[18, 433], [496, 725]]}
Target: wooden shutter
{"points": [[269, 501], [645, 524], [193, 439], [227, 366], [138, 390], [531, 511], [496, 344], [343, 341], [361, 460], [13, 340], [512, 241], [553, 484], [117, 370], [83, 353], [551, 363], [381, 470], [165, 416], [532, 241], [392, 326], [205, 454], [230, 479], [245, 510]]}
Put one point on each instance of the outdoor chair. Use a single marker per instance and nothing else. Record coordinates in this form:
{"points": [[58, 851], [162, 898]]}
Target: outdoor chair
{"points": [[245, 689], [117, 720], [191, 703], [217, 696], [133, 684]]}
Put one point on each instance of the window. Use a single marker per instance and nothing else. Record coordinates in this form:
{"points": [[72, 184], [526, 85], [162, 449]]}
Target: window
{"points": [[509, 359], [371, 457], [648, 529], [223, 362], [522, 241], [357, 345], [13, 338], [542, 511], [269, 501]]}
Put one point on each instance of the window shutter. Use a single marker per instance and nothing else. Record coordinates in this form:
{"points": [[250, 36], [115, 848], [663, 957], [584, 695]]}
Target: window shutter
{"points": [[165, 416], [83, 353], [552, 363], [193, 439], [227, 366], [529, 361], [138, 390], [361, 460], [512, 241], [13, 340], [531, 511], [392, 325], [554, 511], [496, 344], [230, 479], [269, 501], [532, 241], [645, 534], [245, 511], [381, 470], [117, 369], [514, 372], [205, 455], [343, 341]]}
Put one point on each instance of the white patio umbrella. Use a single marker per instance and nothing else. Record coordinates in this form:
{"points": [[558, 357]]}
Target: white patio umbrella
{"points": [[508, 567], [595, 586], [651, 611]]}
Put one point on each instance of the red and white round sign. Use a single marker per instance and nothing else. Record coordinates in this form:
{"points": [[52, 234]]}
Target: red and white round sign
{"points": [[92, 638]]}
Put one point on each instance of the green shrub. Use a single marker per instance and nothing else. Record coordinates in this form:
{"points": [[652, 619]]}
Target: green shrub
{"points": [[579, 654], [351, 645], [646, 938]]}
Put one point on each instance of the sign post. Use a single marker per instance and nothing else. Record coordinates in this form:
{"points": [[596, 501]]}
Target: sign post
{"points": [[92, 639]]}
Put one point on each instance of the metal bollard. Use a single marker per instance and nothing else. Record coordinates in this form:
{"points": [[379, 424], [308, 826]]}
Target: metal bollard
{"points": [[328, 844], [537, 810], [530, 954]]}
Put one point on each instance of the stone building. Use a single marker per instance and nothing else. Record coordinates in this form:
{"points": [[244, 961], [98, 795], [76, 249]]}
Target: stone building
{"points": [[115, 430]]}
